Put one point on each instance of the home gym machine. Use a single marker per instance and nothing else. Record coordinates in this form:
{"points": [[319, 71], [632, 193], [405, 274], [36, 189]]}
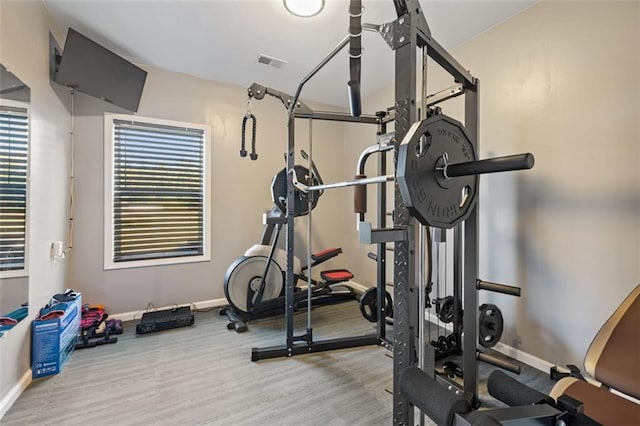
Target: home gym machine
{"points": [[436, 188], [305, 343], [254, 283]]}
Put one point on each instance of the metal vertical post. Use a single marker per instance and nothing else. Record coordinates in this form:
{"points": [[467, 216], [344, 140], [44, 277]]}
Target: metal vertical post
{"points": [[405, 301], [309, 236], [423, 250], [458, 279], [470, 365], [419, 279], [290, 279], [381, 259]]}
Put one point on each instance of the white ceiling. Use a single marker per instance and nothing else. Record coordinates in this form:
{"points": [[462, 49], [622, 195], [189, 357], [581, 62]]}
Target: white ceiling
{"points": [[220, 40]]}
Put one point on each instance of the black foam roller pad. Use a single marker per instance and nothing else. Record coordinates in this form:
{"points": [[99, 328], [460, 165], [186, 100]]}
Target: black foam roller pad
{"points": [[513, 393], [437, 402]]}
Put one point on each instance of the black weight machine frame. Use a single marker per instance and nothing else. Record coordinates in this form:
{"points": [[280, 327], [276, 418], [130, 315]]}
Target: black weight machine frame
{"points": [[405, 36], [295, 345], [421, 387]]}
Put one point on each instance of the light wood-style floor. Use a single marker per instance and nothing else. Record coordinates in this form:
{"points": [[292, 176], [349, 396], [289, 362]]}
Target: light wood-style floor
{"points": [[203, 375]]}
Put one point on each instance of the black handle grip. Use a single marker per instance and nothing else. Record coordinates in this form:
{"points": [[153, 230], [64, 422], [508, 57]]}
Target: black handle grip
{"points": [[492, 165], [355, 104]]}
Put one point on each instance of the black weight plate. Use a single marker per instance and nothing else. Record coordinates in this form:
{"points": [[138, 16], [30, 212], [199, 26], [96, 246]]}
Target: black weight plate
{"points": [[279, 191], [445, 313], [490, 325], [369, 304], [430, 198]]}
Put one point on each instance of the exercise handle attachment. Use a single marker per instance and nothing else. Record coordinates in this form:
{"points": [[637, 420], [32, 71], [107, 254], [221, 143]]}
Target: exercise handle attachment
{"points": [[249, 116], [490, 165]]}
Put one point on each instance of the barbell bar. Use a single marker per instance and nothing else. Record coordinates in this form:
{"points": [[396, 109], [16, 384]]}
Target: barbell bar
{"points": [[437, 172], [469, 168]]}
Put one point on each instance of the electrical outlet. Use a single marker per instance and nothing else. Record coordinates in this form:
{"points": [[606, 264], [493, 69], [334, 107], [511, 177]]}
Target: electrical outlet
{"points": [[56, 252]]}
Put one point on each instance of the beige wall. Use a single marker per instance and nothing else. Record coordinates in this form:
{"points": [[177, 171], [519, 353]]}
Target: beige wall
{"points": [[559, 80], [13, 293], [562, 82], [240, 190], [24, 46]]}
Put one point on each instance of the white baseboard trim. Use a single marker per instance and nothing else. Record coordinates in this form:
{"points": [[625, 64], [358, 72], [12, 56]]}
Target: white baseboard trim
{"points": [[358, 287], [524, 357], [136, 315], [14, 393]]}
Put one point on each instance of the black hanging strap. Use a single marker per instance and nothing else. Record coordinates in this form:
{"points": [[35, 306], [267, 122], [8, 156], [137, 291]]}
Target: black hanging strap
{"points": [[243, 151]]}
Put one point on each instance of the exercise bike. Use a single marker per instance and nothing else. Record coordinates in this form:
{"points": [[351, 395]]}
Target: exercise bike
{"points": [[254, 283]]}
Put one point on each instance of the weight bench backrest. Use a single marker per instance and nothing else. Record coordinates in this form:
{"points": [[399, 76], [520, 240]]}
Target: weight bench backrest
{"points": [[614, 355]]}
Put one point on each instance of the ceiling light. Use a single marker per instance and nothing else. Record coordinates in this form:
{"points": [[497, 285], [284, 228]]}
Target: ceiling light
{"points": [[304, 8]]}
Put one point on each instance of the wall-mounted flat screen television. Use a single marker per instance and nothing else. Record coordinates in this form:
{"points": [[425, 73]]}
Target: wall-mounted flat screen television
{"points": [[92, 69]]}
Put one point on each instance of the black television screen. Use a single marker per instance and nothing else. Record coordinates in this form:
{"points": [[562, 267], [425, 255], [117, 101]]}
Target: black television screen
{"points": [[92, 69]]}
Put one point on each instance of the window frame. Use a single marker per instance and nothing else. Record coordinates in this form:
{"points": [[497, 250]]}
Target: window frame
{"points": [[109, 234], [24, 272]]}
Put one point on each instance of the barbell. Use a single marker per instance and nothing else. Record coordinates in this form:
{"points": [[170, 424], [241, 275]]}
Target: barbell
{"points": [[437, 172]]}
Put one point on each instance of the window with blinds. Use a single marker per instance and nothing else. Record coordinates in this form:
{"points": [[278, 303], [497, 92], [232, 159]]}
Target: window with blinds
{"points": [[158, 191], [14, 136]]}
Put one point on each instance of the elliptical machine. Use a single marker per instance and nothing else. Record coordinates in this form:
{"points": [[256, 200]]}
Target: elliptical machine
{"points": [[254, 283]]}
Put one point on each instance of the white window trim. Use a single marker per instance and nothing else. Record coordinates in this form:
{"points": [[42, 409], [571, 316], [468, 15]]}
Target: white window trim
{"points": [[108, 195], [22, 273]]}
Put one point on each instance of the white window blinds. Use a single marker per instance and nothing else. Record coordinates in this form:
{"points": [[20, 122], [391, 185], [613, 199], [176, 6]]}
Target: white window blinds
{"points": [[14, 135], [158, 191]]}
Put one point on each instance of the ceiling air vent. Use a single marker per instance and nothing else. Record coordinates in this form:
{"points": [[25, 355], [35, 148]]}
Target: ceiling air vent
{"points": [[271, 61]]}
